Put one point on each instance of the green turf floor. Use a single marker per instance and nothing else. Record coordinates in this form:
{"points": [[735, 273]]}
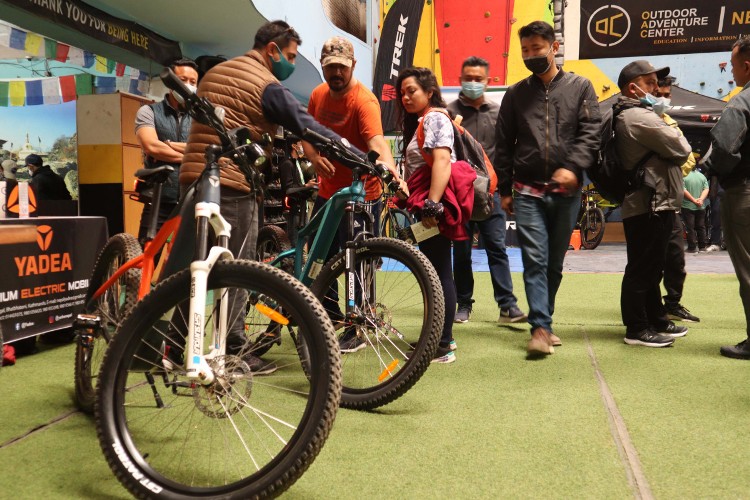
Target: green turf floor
{"points": [[491, 425]]}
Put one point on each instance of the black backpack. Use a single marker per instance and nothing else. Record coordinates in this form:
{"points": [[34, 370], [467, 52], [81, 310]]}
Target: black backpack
{"points": [[609, 176]]}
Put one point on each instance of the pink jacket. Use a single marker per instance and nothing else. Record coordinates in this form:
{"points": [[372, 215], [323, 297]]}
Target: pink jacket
{"points": [[458, 198]]}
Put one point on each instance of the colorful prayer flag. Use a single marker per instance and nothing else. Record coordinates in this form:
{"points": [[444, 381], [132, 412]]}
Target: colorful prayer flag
{"points": [[4, 35], [101, 64], [51, 90], [4, 94], [33, 43], [68, 88], [17, 93], [61, 53], [88, 59], [34, 95], [17, 39], [50, 48], [75, 56], [120, 69], [110, 65], [83, 84]]}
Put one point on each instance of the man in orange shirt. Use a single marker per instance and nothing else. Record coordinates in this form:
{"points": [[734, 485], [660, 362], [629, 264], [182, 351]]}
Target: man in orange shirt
{"points": [[351, 110]]}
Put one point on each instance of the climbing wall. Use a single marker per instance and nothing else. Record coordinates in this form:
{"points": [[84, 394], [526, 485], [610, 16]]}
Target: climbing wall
{"points": [[473, 28]]}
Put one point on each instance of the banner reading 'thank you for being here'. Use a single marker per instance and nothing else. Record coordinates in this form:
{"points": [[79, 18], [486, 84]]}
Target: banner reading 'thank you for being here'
{"points": [[645, 27]]}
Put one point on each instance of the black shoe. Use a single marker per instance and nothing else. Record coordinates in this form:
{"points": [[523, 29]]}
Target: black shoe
{"points": [[511, 315], [351, 342], [649, 338], [673, 330], [256, 364], [680, 313], [462, 314], [739, 351]]}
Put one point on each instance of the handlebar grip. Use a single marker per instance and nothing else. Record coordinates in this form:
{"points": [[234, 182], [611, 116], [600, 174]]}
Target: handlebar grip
{"points": [[173, 83], [315, 138]]}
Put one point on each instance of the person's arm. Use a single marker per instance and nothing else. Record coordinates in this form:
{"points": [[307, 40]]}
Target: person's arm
{"points": [[583, 151], [177, 146], [727, 136], [441, 174], [145, 132], [650, 131], [689, 197]]}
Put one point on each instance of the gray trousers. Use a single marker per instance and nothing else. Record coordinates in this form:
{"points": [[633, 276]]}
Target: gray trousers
{"points": [[735, 221]]}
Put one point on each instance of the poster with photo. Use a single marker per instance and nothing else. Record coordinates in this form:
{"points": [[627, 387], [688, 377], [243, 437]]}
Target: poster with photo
{"points": [[48, 131]]}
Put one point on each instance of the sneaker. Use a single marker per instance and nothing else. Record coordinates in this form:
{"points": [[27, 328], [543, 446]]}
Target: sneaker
{"points": [[511, 315], [453, 346], [713, 248], [462, 314], [680, 313], [257, 365], [739, 351], [673, 330], [444, 355], [172, 358], [649, 338], [540, 343], [351, 342]]}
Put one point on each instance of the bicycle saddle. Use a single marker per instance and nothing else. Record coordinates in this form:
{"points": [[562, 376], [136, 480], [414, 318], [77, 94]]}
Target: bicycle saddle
{"points": [[301, 192], [157, 175]]}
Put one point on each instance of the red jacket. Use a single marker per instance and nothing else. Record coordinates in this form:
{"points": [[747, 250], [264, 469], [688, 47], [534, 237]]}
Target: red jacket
{"points": [[458, 198]]}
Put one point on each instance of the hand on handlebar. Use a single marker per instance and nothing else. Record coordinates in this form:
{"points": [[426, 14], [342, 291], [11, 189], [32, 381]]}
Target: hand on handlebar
{"points": [[323, 167]]}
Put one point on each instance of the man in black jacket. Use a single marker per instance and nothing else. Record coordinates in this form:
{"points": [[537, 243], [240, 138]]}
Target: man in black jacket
{"points": [[45, 183], [547, 134]]}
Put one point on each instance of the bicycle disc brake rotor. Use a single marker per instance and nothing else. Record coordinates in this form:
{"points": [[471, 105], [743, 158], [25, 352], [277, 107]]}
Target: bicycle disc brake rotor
{"points": [[230, 391]]}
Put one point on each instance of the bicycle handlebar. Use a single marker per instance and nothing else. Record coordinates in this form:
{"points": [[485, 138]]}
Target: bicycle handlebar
{"points": [[341, 153]]}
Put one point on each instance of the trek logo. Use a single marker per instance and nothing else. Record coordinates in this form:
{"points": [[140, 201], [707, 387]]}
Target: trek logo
{"points": [[510, 224], [43, 263], [608, 25], [388, 93], [396, 61]]}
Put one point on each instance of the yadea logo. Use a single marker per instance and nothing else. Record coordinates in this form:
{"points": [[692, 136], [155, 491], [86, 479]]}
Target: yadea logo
{"points": [[44, 237], [13, 204], [608, 25]]}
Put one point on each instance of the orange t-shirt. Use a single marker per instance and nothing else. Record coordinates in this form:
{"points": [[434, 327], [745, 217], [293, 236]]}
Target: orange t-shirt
{"points": [[354, 116]]}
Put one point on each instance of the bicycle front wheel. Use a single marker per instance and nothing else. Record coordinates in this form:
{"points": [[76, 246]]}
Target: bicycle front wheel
{"points": [[395, 324], [242, 436], [592, 228], [111, 307]]}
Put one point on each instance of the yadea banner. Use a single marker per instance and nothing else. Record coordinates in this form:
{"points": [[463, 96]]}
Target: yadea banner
{"points": [[645, 27], [398, 41]]}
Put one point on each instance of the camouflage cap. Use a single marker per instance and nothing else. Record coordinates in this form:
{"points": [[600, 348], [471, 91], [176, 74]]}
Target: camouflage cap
{"points": [[337, 50]]}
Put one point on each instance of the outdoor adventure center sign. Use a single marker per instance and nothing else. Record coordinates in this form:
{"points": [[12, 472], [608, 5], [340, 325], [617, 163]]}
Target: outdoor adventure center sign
{"points": [[102, 26], [645, 27]]}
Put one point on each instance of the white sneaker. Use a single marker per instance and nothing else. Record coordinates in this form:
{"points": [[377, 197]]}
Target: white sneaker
{"points": [[713, 248]]}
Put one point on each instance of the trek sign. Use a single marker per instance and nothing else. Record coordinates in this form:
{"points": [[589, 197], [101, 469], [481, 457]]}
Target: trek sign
{"points": [[645, 27]]}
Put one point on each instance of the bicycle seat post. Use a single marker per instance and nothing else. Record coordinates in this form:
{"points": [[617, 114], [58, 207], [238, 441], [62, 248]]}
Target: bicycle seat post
{"points": [[154, 215]]}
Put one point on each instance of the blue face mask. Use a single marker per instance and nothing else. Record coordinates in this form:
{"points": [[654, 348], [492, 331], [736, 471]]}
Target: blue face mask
{"points": [[281, 69], [472, 90], [661, 105], [647, 99]]}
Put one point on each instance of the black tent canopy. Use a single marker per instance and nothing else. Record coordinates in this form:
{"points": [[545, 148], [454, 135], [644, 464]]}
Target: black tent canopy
{"points": [[695, 113]]}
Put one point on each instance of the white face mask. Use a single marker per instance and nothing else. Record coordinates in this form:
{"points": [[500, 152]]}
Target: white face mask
{"points": [[661, 105], [178, 97]]}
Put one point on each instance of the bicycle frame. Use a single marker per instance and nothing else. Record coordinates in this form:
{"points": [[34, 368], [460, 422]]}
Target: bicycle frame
{"points": [[326, 222]]}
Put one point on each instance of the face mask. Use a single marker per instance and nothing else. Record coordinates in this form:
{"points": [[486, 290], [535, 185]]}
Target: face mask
{"points": [[281, 69], [472, 90], [538, 64], [661, 105], [647, 99], [178, 97]]}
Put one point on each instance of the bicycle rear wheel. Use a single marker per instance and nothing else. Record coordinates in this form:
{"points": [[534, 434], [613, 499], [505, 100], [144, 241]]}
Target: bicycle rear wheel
{"points": [[398, 319], [111, 307], [592, 228], [394, 219], [242, 436]]}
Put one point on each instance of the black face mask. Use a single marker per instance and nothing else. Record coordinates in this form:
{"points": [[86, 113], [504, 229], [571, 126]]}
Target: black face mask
{"points": [[538, 64]]}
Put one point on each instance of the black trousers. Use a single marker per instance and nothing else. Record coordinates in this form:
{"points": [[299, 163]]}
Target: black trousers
{"points": [[695, 225], [646, 238], [674, 266], [438, 251]]}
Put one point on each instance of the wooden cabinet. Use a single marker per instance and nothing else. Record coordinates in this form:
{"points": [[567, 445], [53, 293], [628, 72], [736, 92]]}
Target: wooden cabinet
{"points": [[108, 155]]}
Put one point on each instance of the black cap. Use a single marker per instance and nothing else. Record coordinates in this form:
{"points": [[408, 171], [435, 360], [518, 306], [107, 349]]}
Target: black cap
{"points": [[639, 68], [33, 159]]}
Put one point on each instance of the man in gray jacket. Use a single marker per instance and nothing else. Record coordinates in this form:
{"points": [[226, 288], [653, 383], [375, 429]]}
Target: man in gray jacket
{"points": [[547, 134], [649, 212], [730, 161]]}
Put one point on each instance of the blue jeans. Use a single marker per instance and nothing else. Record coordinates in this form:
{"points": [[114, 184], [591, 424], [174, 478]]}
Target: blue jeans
{"points": [[493, 235], [544, 226]]}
